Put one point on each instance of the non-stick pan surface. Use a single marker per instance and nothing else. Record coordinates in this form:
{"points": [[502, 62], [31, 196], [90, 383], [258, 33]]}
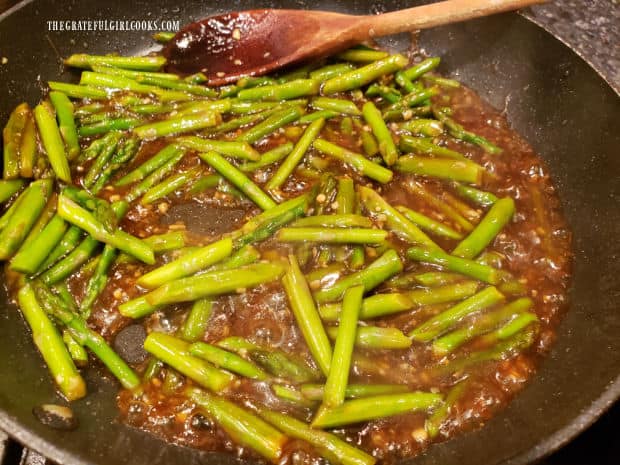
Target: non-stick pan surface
{"points": [[559, 104]]}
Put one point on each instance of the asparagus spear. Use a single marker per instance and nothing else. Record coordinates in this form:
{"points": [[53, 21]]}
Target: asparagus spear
{"points": [[238, 179], [464, 266], [332, 235], [150, 165], [204, 285], [330, 71], [52, 141], [66, 122], [242, 426], [340, 106], [387, 147], [78, 91], [86, 336], [286, 91], [268, 158], [197, 320], [12, 137], [337, 450], [8, 188], [169, 185], [17, 223], [49, 342], [306, 315], [457, 131], [127, 151], [340, 220], [429, 224], [29, 259], [448, 318], [481, 198], [382, 268], [291, 395], [77, 352], [433, 423], [150, 63], [424, 146], [375, 337], [235, 149], [274, 122], [155, 177], [104, 156], [178, 125], [358, 162], [370, 408], [489, 227], [364, 75], [422, 127], [362, 54], [282, 365], [338, 375], [227, 360], [484, 323], [187, 264], [295, 156], [98, 280], [354, 391], [74, 214], [375, 205], [28, 148], [454, 170], [175, 353]]}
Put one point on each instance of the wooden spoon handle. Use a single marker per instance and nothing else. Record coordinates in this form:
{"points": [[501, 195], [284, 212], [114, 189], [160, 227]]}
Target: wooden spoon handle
{"points": [[437, 14]]}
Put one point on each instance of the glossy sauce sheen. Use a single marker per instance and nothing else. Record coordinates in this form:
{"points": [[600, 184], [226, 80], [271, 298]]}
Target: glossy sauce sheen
{"points": [[535, 244]]}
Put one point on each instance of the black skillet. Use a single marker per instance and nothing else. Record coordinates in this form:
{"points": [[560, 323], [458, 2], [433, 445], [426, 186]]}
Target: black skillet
{"points": [[559, 104]]}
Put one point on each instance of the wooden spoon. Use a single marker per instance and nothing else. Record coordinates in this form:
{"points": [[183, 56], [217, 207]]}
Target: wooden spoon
{"points": [[251, 43]]}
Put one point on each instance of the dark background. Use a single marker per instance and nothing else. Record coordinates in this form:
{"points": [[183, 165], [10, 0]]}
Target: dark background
{"points": [[590, 27]]}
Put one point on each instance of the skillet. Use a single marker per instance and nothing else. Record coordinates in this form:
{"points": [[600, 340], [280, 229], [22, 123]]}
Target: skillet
{"points": [[551, 97]]}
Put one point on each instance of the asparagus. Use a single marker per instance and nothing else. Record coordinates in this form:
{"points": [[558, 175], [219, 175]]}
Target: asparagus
{"points": [[274, 122], [375, 337], [286, 91], [464, 266], [433, 423], [51, 346], [424, 146], [370, 408], [109, 124], [8, 188], [12, 138], [29, 259], [86, 336], [291, 395], [240, 122], [52, 141], [332, 235], [169, 185], [423, 127], [151, 63], [235, 149], [78, 91], [282, 365], [485, 232], [446, 209], [238, 179], [313, 116], [306, 315], [362, 54], [175, 352], [98, 280], [337, 450], [402, 106], [123, 155], [484, 323], [196, 322], [188, 264], [79, 255], [336, 383], [407, 230], [76, 351], [454, 170], [177, 125], [146, 168], [358, 162], [155, 177], [116, 83], [17, 223], [354, 391], [296, 155], [380, 305], [511, 328], [242, 426], [344, 220], [136, 74], [387, 148], [481, 198], [429, 224], [227, 360], [457, 131], [330, 71], [387, 93], [106, 153], [268, 158], [204, 285], [74, 214], [421, 68], [438, 324], [444, 82], [66, 122], [382, 268], [340, 106], [364, 75]]}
